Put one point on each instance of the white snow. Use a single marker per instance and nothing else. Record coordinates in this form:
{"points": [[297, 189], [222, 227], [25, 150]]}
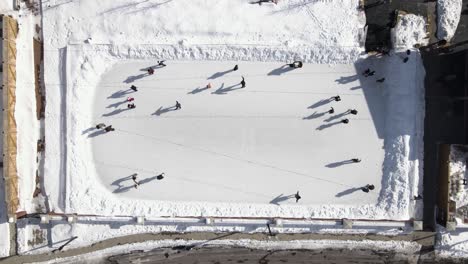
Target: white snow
{"points": [[396, 247], [409, 31], [6, 6], [457, 172], [448, 16], [452, 244]]}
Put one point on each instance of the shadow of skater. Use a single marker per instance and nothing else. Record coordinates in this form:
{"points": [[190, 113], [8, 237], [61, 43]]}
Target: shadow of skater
{"points": [[280, 198], [198, 90], [162, 110], [341, 163], [97, 133], [347, 79], [146, 180], [219, 74], [133, 78], [117, 104], [314, 115], [322, 127], [116, 111], [346, 192], [222, 90], [121, 188], [320, 103], [331, 118], [281, 70], [120, 93]]}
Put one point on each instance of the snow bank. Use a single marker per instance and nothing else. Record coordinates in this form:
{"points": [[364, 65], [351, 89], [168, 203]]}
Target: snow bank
{"points": [[409, 31], [448, 16], [457, 172], [399, 247], [452, 244]]}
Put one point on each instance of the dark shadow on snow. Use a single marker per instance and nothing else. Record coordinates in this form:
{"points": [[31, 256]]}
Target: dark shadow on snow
{"points": [[346, 192], [339, 163], [120, 187], [280, 198], [97, 133], [198, 90], [116, 112], [120, 93], [219, 74], [347, 79], [117, 104], [334, 117], [322, 127], [133, 78], [222, 90], [162, 110], [86, 131], [320, 103], [314, 115], [281, 70]]}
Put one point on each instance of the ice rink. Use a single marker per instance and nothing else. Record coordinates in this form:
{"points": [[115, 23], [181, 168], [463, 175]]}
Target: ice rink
{"points": [[259, 144]]}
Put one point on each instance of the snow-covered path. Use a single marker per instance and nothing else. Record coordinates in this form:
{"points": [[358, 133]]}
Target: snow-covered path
{"points": [[229, 144]]}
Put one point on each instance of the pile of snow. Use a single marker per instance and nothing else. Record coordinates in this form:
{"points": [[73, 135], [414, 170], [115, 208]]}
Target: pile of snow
{"points": [[448, 16], [409, 31], [457, 172], [452, 244], [398, 247]]}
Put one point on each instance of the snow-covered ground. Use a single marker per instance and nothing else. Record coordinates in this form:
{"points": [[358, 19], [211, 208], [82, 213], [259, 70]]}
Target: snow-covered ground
{"points": [[448, 16]]}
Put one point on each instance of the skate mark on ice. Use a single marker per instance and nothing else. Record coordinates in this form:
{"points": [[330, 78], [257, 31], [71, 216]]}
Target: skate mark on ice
{"points": [[339, 163], [162, 110], [281, 70], [259, 164], [198, 90], [120, 93], [222, 90], [219, 74], [280, 198], [322, 127], [133, 78], [347, 79], [314, 115], [331, 118], [348, 191], [116, 111]]}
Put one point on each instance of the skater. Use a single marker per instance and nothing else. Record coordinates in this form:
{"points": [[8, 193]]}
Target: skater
{"points": [[408, 52], [133, 87], [130, 99], [381, 80], [367, 188], [160, 176], [134, 177], [331, 111], [366, 72], [336, 98], [150, 70], [295, 64], [109, 128], [243, 82], [405, 60], [236, 68], [100, 126], [177, 105], [353, 111], [131, 106], [464, 182], [345, 121], [371, 73], [297, 196], [356, 160], [418, 197], [161, 63], [208, 86]]}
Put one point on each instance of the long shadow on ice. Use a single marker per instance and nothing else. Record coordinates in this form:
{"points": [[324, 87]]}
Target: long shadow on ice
{"points": [[281, 70], [320, 103], [120, 93], [120, 187], [280, 198], [198, 90], [116, 112], [346, 192], [219, 74], [314, 115], [133, 78], [337, 116], [347, 79], [322, 127], [338, 164], [97, 133], [117, 104], [164, 110], [222, 90]]}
